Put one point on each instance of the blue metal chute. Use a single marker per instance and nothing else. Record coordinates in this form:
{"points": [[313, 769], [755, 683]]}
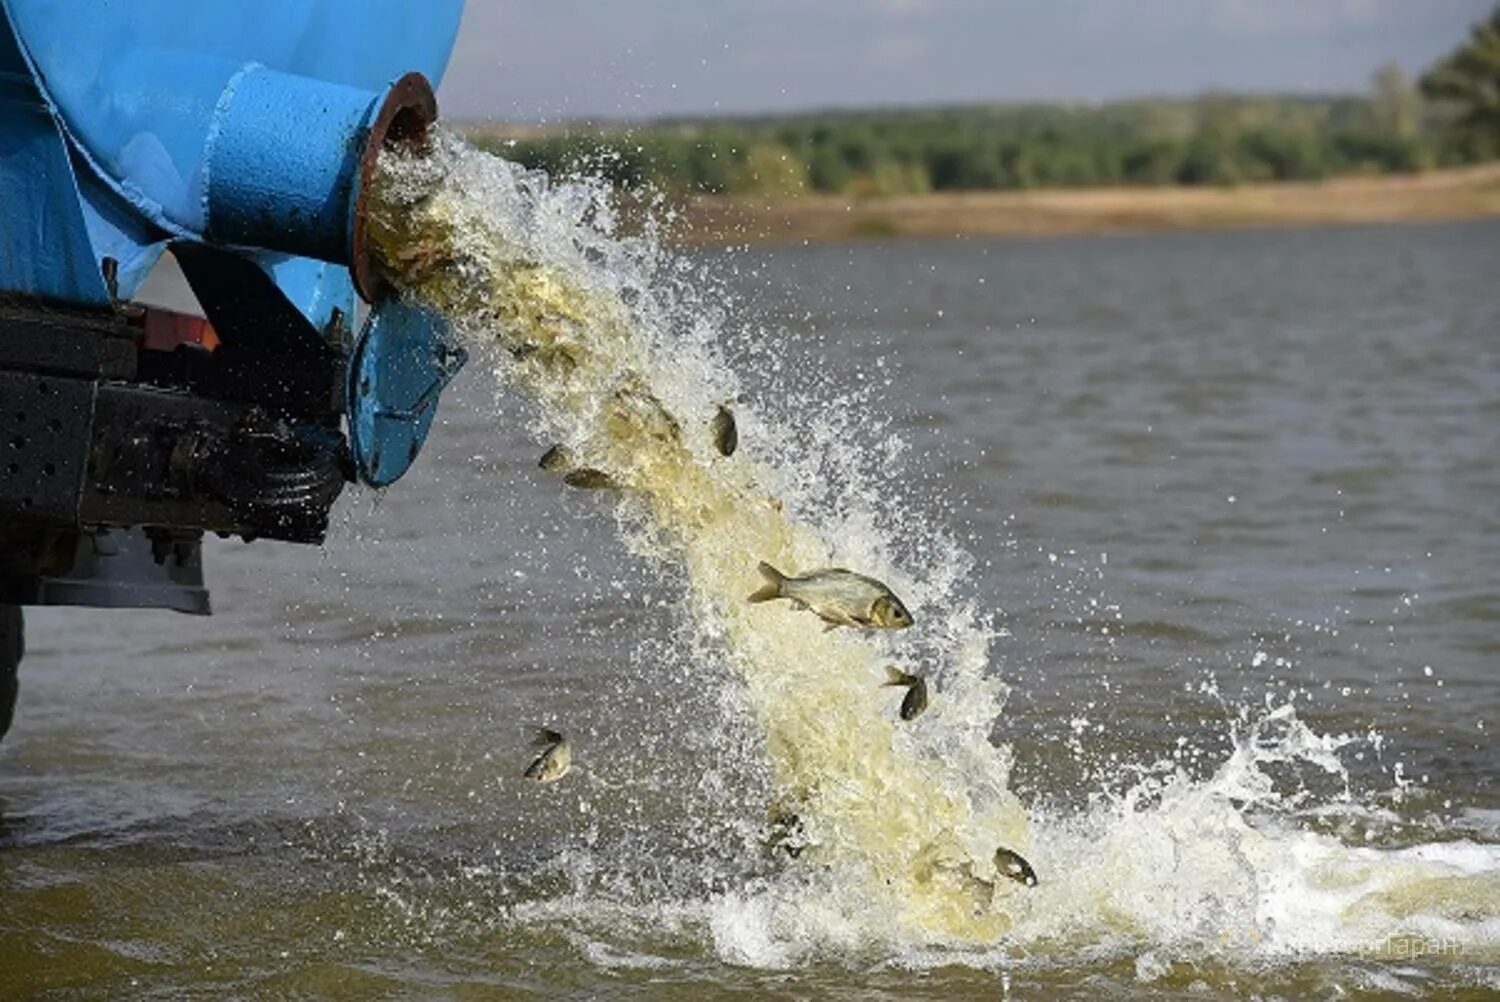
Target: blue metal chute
{"points": [[395, 376]]}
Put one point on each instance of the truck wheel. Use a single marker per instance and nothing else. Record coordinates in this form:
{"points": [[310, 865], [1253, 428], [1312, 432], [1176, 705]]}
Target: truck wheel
{"points": [[12, 646]]}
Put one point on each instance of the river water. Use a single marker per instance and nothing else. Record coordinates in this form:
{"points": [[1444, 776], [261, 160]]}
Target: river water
{"points": [[1224, 506]]}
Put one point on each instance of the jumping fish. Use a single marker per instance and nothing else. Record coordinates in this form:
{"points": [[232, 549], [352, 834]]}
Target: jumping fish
{"points": [[726, 433], [590, 479], [636, 408], [915, 700], [784, 832], [555, 759], [560, 459], [1009, 863], [836, 596]]}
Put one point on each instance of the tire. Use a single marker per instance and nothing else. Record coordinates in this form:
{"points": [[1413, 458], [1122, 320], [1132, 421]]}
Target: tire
{"points": [[12, 646]]}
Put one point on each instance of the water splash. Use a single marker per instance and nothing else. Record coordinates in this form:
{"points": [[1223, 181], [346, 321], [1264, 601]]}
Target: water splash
{"points": [[618, 345], [580, 319]]}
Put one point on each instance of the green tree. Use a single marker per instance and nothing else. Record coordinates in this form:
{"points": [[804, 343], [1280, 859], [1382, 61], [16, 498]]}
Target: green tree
{"points": [[1468, 80]]}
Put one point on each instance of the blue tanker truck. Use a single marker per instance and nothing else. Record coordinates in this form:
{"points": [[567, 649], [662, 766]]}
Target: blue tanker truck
{"points": [[193, 337]]}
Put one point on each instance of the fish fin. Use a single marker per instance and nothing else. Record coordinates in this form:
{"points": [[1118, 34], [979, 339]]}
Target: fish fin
{"points": [[772, 588], [765, 593], [831, 627], [895, 676], [545, 736]]}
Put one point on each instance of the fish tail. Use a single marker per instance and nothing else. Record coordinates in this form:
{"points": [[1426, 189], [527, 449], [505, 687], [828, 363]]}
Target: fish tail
{"points": [[895, 676], [772, 588]]}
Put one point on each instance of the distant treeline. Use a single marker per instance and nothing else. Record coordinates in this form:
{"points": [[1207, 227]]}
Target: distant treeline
{"points": [[1214, 139]]}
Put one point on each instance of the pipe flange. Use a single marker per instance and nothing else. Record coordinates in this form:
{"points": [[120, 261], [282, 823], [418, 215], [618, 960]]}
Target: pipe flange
{"points": [[404, 121]]}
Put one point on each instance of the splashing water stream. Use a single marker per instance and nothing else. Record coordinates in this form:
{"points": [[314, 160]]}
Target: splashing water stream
{"points": [[602, 331]]}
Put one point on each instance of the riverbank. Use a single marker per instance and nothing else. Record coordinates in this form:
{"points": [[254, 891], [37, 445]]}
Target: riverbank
{"points": [[1470, 192]]}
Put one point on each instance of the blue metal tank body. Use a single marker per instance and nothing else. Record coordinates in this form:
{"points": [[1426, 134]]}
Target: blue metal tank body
{"points": [[127, 124], [240, 135]]}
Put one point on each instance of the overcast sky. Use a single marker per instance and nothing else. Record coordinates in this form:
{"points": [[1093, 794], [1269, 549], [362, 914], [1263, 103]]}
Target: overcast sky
{"points": [[535, 60]]}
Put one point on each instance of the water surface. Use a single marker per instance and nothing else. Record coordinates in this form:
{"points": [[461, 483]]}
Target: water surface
{"points": [[1202, 476]]}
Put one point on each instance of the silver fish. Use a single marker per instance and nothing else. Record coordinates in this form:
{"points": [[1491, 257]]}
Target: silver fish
{"points": [[726, 432], [915, 700], [590, 479], [1009, 863], [555, 759], [838, 597], [635, 408], [561, 460], [557, 358]]}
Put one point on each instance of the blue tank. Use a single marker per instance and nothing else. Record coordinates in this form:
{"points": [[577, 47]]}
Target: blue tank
{"points": [[231, 123], [233, 142], [133, 124]]}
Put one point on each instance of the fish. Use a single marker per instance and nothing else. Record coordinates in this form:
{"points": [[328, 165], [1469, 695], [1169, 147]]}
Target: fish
{"points": [[1009, 863], [726, 432], [938, 861], [559, 359], [837, 597], [784, 832], [560, 459], [915, 700], [590, 479], [635, 408], [557, 459], [980, 892], [555, 759]]}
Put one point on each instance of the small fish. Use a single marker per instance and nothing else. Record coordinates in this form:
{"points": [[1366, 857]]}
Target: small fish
{"points": [[590, 479], [838, 597], [726, 433], [1010, 864], [916, 692], [560, 459], [636, 408], [557, 358], [783, 831], [554, 761]]}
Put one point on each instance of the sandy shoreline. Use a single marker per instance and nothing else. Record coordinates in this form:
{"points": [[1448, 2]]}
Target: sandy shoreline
{"points": [[1465, 193]]}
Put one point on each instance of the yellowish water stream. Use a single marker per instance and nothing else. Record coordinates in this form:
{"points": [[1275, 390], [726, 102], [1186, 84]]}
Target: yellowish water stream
{"points": [[830, 728]]}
